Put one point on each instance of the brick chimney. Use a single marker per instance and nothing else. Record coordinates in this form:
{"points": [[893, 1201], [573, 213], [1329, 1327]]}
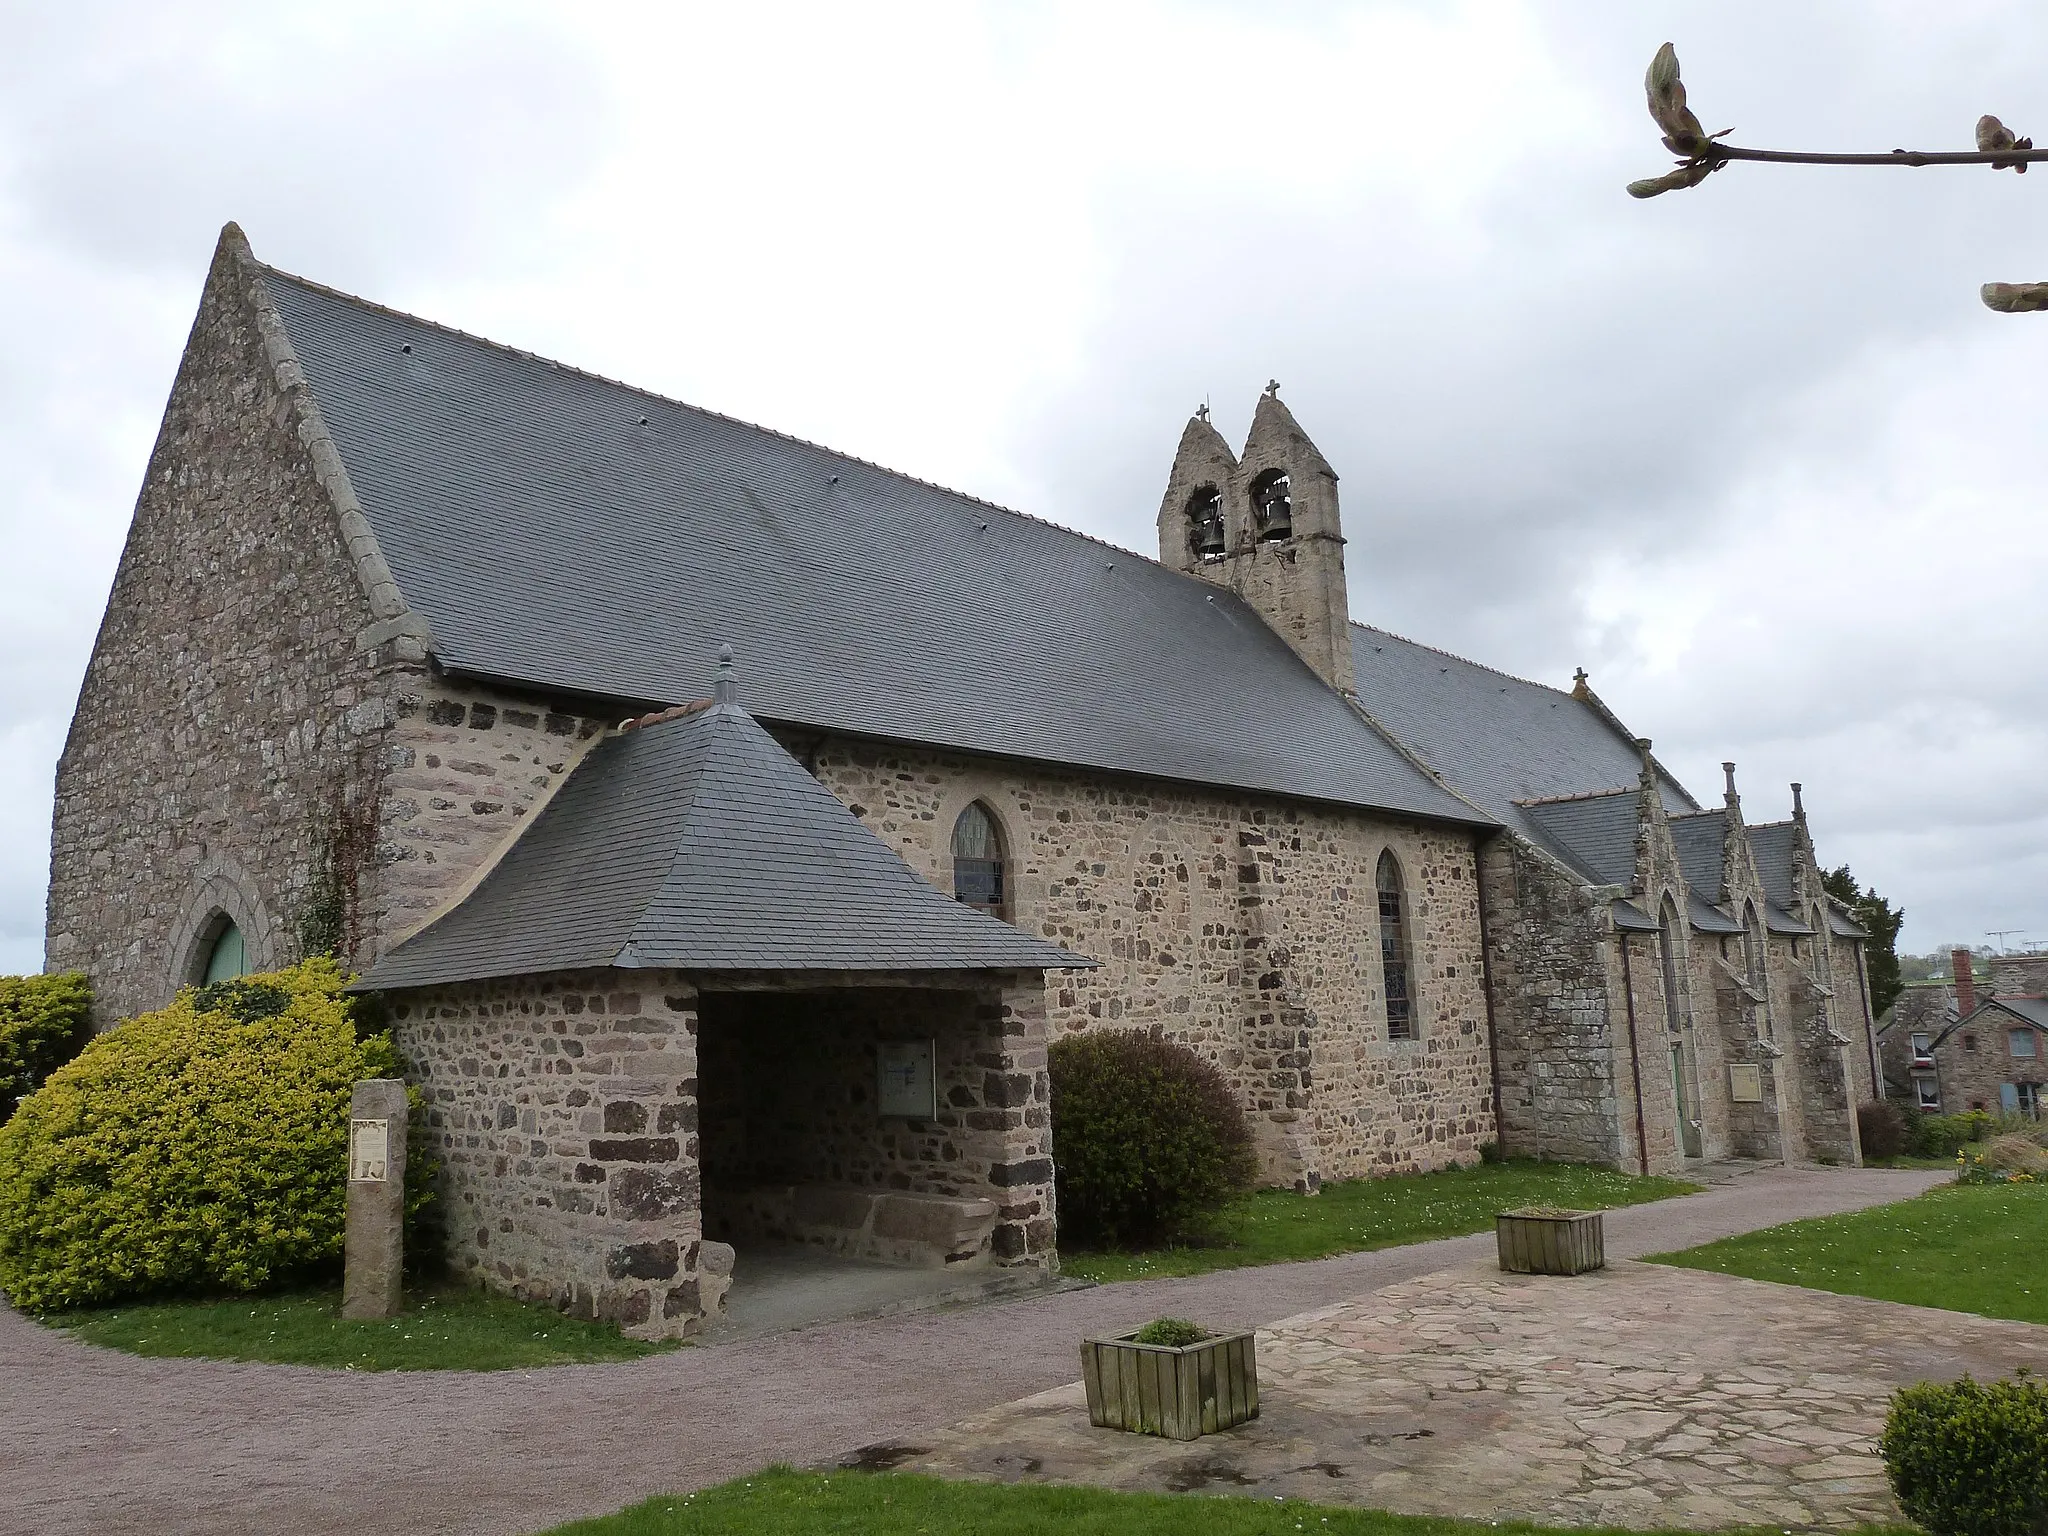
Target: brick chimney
{"points": [[1961, 961]]}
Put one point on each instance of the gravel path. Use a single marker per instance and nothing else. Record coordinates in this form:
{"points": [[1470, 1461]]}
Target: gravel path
{"points": [[101, 1442]]}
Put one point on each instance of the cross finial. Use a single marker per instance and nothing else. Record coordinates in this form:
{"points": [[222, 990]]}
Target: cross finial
{"points": [[1202, 411], [727, 691], [1273, 388]]}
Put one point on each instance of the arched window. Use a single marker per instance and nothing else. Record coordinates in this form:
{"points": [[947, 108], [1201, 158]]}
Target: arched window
{"points": [[1753, 963], [222, 954], [1207, 537], [1394, 965], [1273, 504], [978, 872], [1667, 952]]}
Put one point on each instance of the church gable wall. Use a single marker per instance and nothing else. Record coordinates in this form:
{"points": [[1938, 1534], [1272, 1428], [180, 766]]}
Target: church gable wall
{"points": [[225, 747], [1553, 1011], [1245, 926]]}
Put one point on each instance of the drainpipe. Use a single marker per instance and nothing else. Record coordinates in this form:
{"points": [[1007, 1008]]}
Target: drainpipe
{"points": [[1869, 1024], [1635, 1061], [1500, 1128]]}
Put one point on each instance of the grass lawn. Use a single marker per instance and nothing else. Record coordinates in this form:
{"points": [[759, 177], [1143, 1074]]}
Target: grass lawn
{"points": [[779, 1502], [452, 1329], [1979, 1248], [1275, 1226]]}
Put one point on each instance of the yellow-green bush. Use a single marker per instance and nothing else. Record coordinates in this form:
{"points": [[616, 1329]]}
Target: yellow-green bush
{"points": [[199, 1148], [43, 1022]]}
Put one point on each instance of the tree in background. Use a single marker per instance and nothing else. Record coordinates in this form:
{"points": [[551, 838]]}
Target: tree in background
{"points": [[1877, 918]]}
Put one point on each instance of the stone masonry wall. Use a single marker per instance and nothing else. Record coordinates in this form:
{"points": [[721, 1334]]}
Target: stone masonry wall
{"points": [[467, 763], [789, 1098], [563, 1110], [1560, 1092], [1245, 926], [229, 729]]}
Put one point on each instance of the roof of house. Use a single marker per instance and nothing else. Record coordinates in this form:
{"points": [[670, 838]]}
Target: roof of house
{"points": [[697, 843], [565, 532], [2030, 1010]]}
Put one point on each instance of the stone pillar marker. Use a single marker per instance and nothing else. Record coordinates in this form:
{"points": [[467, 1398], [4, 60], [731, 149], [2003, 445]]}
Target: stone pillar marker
{"points": [[372, 1288]]}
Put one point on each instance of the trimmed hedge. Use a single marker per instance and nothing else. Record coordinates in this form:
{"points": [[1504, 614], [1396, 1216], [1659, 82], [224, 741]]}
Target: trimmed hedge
{"points": [[1946, 1135], [1881, 1128], [44, 1020], [1969, 1458], [201, 1148], [1147, 1137]]}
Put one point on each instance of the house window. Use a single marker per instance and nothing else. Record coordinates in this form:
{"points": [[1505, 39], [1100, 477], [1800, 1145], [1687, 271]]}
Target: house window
{"points": [[2027, 1099], [1923, 1047], [1394, 952], [978, 861], [1929, 1092], [2021, 1043], [222, 953], [1969, 1042]]}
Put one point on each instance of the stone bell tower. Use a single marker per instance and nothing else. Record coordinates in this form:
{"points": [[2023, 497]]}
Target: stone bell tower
{"points": [[1264, 525]]}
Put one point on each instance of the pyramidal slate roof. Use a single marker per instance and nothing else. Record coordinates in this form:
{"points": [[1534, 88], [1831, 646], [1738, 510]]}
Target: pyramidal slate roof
{"points": [[699, 844], [565, 532]]}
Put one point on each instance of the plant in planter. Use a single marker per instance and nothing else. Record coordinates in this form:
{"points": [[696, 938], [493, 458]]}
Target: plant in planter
{"points": [[1547, 1240], [1171, 1378]]}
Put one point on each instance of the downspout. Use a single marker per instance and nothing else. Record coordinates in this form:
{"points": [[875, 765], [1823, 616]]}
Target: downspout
{"points": [[1869, 1025], [1635, 1062], [1500, 1128]]}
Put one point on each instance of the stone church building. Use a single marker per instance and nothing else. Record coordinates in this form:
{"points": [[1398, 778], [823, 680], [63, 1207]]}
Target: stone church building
{"points": [[413, 656]]}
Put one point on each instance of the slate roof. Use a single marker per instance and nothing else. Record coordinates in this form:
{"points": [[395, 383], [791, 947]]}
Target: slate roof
{"points": [[699, 844], [1594, 833], [1498, 739], [571, 534], [2033, 1010]]}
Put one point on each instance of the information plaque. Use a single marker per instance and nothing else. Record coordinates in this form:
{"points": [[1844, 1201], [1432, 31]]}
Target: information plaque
{"points": [[905, 1085], [369, 1151], [1745, 1082]]}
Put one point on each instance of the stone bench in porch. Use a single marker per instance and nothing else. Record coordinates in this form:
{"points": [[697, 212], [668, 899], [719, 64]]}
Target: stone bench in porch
{"points": [[889, 1226]]}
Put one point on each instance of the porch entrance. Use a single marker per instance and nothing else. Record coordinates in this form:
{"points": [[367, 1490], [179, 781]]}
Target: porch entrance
{"points": [[858, 1149]]}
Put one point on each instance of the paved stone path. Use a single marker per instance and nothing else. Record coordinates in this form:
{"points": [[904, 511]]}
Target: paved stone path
{"points": [[100, 1442], [1642, 1396]]}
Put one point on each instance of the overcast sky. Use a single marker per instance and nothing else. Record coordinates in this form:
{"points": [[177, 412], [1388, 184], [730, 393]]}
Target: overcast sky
{"points": [[1753, 454]]}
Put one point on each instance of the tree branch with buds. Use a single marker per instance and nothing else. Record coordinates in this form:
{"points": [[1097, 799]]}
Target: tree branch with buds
{"points": [[1700, 154]]}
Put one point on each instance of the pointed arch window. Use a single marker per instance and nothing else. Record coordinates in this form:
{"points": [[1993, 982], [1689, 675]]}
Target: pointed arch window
{"points": [[1208, 539], [1273, 504], [979, 868], [1753, 963], [1395, 970], [223, 954], [1667, 954]]}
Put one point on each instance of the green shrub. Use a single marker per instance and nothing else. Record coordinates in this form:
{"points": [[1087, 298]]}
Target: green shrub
{"points": [[1969, 1458], [1881, 1127], [199, 1148], [1170, 1332], [43, 1022], [1946, 1135], [1148, 1137]]}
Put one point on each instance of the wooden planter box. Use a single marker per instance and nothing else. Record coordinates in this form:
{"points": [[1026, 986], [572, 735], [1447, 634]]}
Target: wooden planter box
{"points": [[1537, 1242], [1153, 1389]]}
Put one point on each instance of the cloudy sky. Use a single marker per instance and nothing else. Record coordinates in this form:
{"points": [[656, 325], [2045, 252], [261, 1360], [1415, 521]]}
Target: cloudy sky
{"points": [[1753, 454]]}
